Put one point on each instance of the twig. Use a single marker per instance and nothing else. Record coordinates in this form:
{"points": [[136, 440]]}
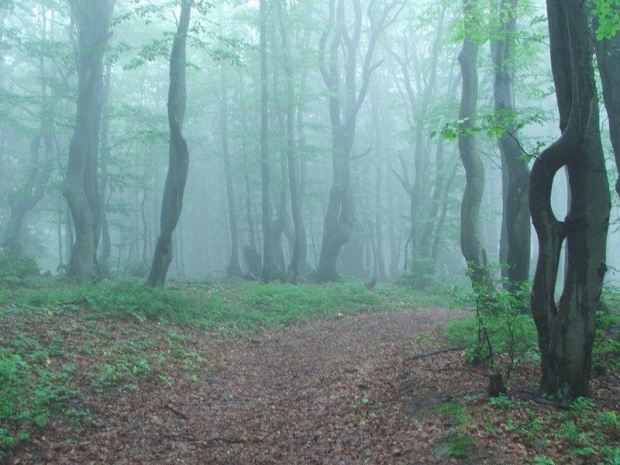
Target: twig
{"points": [[436, 352], [175, 411]]}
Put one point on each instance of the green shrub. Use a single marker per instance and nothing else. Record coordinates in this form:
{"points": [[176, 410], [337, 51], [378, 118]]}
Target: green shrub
{"points": [[14, 268], [421, 274], [29, 391], [500, 317]]}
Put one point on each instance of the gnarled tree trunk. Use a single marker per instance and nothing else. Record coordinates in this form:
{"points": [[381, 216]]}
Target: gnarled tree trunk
{"points": [[566, 330]]}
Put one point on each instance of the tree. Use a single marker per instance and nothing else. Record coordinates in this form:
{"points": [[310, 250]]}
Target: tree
{"points": [[81, 190], [606, 24], [264, 143], [516, 178], [178, 154], [566, 329], [234, 268], [339, 218], [24, 198], [291, 155], [471, 243]]}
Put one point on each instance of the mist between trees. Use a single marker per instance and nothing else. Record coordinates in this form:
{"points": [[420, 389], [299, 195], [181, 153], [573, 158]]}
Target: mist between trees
{"points": [[316, 141]]}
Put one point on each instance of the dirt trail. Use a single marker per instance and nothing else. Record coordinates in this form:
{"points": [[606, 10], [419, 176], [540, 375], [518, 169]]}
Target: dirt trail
{"points": [[342, 390]]}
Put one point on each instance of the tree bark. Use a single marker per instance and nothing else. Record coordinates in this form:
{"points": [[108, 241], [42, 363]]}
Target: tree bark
{"points": [[31, 192], [515, 215], [291, 154], [178, 155], [106, 247], [566, 330], [234, 268], [80, 189], [608, 58], [471, 243], [339, 218], [264, 144]]}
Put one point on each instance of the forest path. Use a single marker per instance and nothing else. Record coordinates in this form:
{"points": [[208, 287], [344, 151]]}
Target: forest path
{"points": [[340, 390]]}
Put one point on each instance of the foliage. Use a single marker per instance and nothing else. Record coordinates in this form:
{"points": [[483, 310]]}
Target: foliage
{"points": [[606, 350], [511, 332], [607, 13], [581, 433], [455, 444], [32, 387], [421, 274], [14, 268], [227, 305]]}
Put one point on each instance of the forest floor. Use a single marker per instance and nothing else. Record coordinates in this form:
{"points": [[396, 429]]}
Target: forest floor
{"points": [[362, 388]]}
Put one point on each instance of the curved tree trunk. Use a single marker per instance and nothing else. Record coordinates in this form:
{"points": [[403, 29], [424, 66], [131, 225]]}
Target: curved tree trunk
{"points": [[178, 159], [26, 197], [516, 219], [80, 188], [31, 192], [339, 218], [471, 243], [566, 330]]}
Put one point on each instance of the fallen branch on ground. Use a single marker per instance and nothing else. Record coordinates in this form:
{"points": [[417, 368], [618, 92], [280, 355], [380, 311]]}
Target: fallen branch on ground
{"points": [[436, 352]]}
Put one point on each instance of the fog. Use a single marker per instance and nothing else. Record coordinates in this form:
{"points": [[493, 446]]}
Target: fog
{"points": [[369, 95]]}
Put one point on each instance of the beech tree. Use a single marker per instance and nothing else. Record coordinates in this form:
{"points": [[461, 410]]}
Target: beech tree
{"points": [[343, 110], [566, 329], [515, 218], [81, 185], [607, 44], [178, 154], [471, 243]]}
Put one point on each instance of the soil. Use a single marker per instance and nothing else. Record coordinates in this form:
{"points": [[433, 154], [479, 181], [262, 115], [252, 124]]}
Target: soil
{"points": [[346, 390]]}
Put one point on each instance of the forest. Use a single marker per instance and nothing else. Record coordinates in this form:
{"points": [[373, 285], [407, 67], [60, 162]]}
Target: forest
{"points": [[310, 231]]}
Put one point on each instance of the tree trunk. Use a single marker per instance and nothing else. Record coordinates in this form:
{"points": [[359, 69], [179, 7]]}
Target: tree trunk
{"points": [[234, 268], [31, 192], [339, 218], [264, 144], [291, 155], [178, 155], [566, 330], [250, 252], [80, 189], [471, 244], [106, 247], [516, 218], [608, 58], [379, 229]]}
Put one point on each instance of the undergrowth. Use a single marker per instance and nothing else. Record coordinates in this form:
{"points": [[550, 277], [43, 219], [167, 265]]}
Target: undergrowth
{"points": [[115, 326]]}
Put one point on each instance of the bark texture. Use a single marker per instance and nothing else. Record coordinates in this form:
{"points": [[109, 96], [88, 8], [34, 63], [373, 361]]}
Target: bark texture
{"points": [[343, 110], [566, 329], [178, 154], [516, 221], [81, 190], [471, 243], [608, 58]]}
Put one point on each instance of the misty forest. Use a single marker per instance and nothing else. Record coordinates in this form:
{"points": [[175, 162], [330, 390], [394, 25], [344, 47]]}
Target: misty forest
{"points": [[310, 231]]}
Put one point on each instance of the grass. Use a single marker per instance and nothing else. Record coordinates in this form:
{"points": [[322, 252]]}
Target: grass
{"points": [[128, 334]]}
